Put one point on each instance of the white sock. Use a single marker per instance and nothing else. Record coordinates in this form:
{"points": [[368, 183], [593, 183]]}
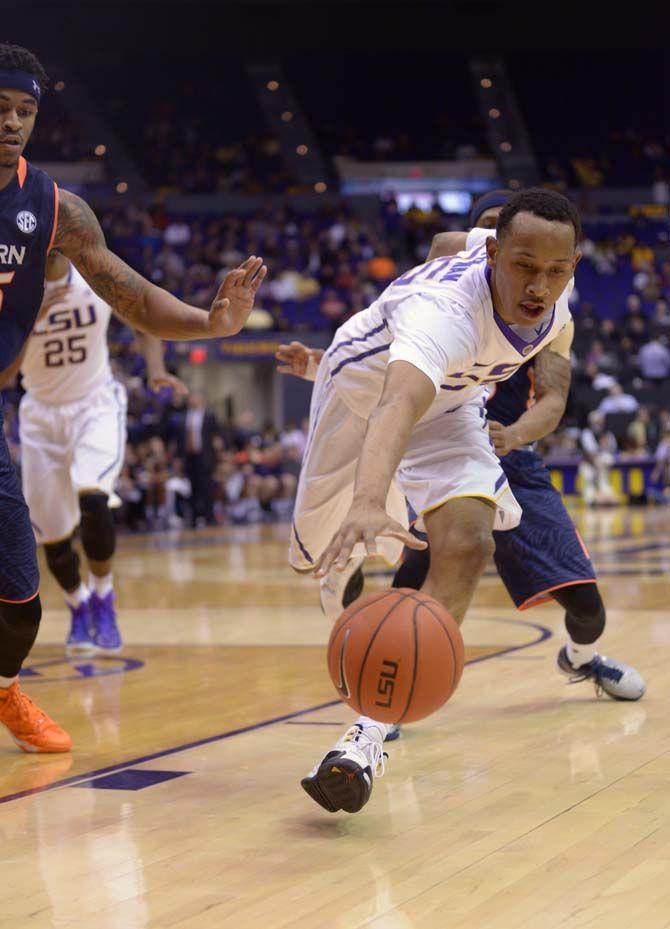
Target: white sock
{"points": [[580, 654], [6, 682], [75, 598], [101, 585], [366, 723]]}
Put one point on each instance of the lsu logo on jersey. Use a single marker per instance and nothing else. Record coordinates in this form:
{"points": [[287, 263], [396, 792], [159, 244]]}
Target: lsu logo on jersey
{"points": [[469, 379]]}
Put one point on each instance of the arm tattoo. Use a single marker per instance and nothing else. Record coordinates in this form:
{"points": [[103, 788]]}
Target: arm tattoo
{"points": [[552, 373], [80, 238]]}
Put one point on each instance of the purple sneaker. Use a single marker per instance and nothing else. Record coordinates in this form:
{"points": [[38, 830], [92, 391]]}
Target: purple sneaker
{"points": [[79, 641], [106, 635]]}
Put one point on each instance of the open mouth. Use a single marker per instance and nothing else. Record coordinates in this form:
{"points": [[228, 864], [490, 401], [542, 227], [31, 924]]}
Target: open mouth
{"points": [[10, 143], [533, 310]]}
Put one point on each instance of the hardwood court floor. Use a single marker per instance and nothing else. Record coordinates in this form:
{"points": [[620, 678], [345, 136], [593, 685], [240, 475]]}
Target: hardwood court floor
{"points": [[524, 801]]}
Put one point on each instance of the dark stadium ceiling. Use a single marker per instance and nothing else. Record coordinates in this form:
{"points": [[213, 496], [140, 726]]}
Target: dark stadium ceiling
{"points": [[252, 28]]}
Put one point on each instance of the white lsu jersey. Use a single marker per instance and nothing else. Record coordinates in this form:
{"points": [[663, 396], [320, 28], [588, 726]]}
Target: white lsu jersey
{"points": [[67, 357], [438, 316]]}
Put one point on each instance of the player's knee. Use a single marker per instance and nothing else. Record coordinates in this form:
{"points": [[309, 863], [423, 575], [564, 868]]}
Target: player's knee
{"points": [[19, 623], [98, 535], [63, 562], [585, 614], [470, 550]]}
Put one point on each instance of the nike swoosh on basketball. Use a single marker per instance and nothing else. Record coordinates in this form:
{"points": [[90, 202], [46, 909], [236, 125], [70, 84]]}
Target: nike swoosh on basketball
{"points": [[343, 686]]}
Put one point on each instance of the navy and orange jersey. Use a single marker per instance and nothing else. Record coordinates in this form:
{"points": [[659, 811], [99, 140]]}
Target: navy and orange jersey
{"points": [[28, 218], [509, 399]]}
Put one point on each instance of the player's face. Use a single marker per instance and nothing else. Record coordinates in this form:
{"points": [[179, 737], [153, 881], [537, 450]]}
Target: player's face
{"points": [[489, 218], [17, 119], [532, 266]]}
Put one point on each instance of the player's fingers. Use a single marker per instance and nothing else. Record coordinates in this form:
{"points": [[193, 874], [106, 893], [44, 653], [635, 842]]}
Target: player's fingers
{"points": [[345, 552], [251, 270], [396, 531], [370, 542], [235, 278], [258, 280], [324, 563], [285, 369]]}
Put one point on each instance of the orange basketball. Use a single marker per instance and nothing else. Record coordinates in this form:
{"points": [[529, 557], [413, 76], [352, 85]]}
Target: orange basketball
{"points": [[395, 655]]}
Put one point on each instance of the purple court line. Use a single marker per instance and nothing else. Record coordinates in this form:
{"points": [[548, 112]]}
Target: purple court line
{"points": [[545, 634]]}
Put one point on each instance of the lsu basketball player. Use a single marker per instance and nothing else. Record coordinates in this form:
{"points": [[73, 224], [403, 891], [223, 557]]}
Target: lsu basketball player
{"points": [[72, 428], [528, 262], [34, 217]]}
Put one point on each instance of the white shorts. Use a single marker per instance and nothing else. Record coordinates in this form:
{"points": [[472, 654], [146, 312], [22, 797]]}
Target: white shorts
{"points": [[448, 457], [66, 449]]}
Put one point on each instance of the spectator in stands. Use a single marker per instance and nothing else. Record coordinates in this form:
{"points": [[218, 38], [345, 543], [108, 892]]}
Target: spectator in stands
{"points": [[635, 323], [195, 437], [599, 448], [382, 268], [660, 476], [617, 401], [660, 320], [294, 437], [641, 433], [654, 360]]}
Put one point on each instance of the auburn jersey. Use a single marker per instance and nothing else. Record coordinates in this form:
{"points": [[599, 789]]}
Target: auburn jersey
{"points": [[28, 216]]}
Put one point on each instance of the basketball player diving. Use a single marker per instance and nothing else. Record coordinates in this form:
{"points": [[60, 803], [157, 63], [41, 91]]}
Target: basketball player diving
{"points": [[529, 261], [34, 218]]}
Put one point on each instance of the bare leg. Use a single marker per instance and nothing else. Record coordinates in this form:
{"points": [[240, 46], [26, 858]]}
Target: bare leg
{"points": [[461, 543]]}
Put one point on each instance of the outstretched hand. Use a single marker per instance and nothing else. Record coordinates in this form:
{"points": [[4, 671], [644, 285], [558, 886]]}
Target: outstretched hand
{"points": [[234, 300], [363, 524], [295, 359], [165, 379]]}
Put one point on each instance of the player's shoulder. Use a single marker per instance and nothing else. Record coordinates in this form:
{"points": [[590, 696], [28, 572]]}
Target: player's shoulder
{"points": [[31, 177], [477, 237]]}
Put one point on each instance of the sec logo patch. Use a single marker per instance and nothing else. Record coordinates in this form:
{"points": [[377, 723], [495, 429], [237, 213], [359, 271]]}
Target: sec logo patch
{"points": [[26, 221]]}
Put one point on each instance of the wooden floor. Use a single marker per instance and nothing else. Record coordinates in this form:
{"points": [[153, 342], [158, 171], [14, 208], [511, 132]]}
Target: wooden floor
{"points": [[526, 802]]}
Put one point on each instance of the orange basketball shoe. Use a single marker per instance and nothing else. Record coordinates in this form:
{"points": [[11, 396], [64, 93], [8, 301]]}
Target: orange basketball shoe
{"points": [[29, 726]]}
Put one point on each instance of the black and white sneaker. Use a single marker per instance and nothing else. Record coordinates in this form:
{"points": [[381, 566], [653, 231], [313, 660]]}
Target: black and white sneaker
{"points": [[343, 779], [616, 679]]}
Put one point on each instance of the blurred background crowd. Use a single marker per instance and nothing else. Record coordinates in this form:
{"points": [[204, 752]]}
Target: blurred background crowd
{"points": [[188, 182]]}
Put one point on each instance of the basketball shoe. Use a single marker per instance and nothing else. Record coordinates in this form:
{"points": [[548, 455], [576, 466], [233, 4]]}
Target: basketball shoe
{"points": [[79, 641], [616, 679], [343, 779], [340, 588], [106, 635], [29, 726]]}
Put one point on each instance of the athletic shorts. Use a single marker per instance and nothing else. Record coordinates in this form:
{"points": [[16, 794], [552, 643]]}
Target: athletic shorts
{"points": [[67, 449], [545, 551], [447, 457], [19, 576]]}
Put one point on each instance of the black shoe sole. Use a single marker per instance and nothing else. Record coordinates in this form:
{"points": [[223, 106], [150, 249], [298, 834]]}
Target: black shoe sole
{"points": [[354, 588], [339, 784]]}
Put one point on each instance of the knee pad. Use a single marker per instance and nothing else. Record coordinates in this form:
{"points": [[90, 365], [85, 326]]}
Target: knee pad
{"points": [[63, 562], [98, 535], [19, 623], [414, 568], [584, 612]]}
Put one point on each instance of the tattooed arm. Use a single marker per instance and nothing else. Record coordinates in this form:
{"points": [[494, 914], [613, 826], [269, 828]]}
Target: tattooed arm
{"points": [[138, 302], [552, 385]]}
